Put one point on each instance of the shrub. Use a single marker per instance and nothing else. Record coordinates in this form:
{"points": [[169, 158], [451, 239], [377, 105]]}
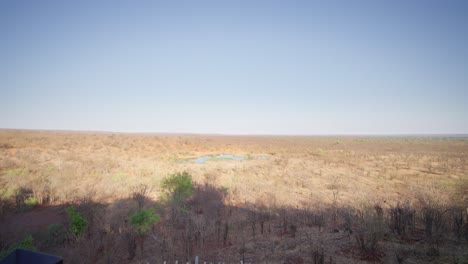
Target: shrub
{"points": [[6, 203], [26, 243], [403, 218], [143, 220], [318, 255], [178, 185], [78, 223], [31, 202], [311, 218], [7, 193], [460, 223], [21, 195], [139, 194], [370, 230], [401, 253]]}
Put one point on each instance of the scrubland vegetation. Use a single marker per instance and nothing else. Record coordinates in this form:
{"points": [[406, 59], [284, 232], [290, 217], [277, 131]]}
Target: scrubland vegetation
{"points": [[127, 198]]}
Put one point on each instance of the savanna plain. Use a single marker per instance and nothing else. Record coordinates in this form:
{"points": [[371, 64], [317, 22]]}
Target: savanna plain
{"points": [[95, 197]]}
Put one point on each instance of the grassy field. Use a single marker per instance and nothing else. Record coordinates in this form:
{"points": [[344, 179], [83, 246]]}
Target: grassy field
{"points": [[291, 199]]}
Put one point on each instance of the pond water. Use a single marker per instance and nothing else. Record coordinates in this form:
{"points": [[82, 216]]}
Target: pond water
{"points": [[203, 159]]}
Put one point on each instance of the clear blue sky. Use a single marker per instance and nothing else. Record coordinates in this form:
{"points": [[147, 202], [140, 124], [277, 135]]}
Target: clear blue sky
{"points": [[235, 67]]}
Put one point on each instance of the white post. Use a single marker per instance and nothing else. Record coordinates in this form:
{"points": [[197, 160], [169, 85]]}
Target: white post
{"points": [[196, 260]]}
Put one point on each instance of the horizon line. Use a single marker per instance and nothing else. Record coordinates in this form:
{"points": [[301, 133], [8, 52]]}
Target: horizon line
{"points": [[453, 135]]}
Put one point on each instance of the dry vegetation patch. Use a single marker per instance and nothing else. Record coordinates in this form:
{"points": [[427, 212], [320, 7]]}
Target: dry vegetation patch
{"points": [[290, 199]]}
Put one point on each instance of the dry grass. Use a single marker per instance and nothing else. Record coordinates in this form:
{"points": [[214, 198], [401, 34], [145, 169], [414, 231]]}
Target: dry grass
{"points": [[300, 170], [300, 173]]}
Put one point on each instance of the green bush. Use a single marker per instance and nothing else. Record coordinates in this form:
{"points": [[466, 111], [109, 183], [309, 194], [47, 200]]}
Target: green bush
{"points": [[143, 220], [78, 223], [26, 243], [178, 185], [31, 201]]}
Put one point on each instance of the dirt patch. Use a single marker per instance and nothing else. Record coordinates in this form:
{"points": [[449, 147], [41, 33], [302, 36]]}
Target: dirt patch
{"points": [[36, 219]]}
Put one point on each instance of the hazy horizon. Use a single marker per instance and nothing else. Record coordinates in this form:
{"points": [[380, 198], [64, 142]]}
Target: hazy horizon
{"points": [[236, 68], [227, 134]]}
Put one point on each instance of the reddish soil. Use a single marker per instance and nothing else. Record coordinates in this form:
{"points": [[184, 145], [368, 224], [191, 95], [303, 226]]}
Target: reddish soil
{"points": [[36, 219]]}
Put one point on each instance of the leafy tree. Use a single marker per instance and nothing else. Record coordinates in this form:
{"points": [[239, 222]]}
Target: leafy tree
{"points": [[78, 223], [143, 220], [178, 185]]}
